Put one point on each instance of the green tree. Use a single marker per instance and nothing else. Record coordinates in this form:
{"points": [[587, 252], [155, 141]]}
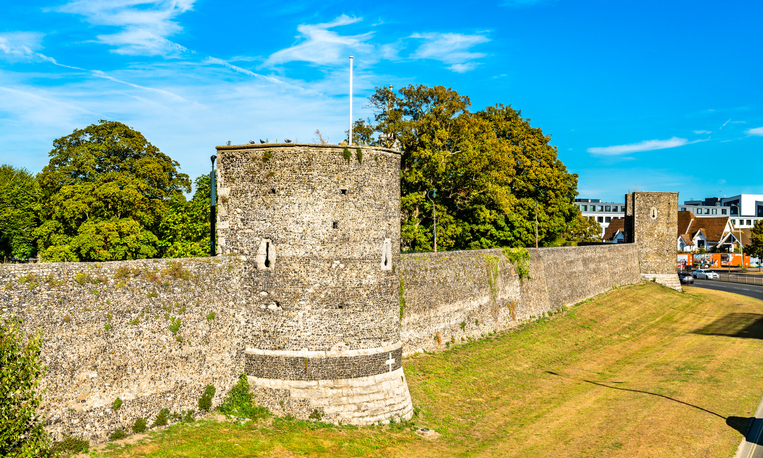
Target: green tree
{"points": [[583, 229], [184, 229], [489, 168], [105, 191], [21, 370], [19, 204], [756, 240]]}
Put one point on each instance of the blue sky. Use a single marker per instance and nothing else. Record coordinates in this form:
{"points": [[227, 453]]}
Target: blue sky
{"points": [[655, 96]]}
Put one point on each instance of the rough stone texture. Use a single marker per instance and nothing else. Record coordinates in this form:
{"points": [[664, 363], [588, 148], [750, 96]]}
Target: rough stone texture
{"points": [[298, 367], [138, 359], [307, 301], [651, 221], [456, 295], [328, 287], [363, 401], [323, 225]]}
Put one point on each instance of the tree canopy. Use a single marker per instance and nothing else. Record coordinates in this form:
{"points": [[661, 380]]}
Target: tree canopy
{"points": [[19, 205], [756, 239], [184, 228], [105, 192], [491, 169], [583, 229]]}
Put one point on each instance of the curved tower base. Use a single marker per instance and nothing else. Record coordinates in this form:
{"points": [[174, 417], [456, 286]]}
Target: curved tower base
{"points": [[358, 387]]}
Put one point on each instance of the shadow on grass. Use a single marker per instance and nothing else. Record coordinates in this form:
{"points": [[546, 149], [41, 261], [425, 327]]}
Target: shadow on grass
{"points": [[639, 391], [743, 325], [742, 424]]}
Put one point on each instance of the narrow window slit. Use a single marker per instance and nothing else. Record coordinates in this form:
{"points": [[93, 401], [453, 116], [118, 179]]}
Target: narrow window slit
{"points": [[344, 191], [267, 255]]}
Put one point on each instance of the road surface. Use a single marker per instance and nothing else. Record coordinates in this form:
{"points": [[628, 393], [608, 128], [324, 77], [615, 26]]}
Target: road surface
{"points": [[738, 288], [752, 444]]}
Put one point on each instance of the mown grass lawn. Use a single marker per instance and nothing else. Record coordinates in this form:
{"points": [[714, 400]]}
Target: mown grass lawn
{"points": [[639, 371]]}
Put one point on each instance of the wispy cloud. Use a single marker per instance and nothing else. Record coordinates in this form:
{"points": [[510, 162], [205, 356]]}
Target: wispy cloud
{"points": [[20, 45], [758, 131], [700, 132], [146, 24], [646, 145], [450, 48], [319, 45], [724, 124], [23, 46]]}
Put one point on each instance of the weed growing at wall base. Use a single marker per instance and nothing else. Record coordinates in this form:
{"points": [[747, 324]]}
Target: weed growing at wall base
{"points": [[240, 402], [205, 402], [70, 444]]}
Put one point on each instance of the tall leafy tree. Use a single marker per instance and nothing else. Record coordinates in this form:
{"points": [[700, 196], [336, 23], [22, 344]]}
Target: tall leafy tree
{"points": [[582, 229], [184, 229], [105, 191], [19, 205], [493, 172]]}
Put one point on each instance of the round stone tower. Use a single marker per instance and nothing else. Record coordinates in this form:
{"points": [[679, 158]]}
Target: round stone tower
{"points": [[319, 228]]}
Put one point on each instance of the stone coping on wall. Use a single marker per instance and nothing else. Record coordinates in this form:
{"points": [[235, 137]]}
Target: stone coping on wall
{"points": [[324, 354], [304, 145]]}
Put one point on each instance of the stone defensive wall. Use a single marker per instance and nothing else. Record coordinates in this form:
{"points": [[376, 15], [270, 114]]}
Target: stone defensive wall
{"points": [[457, 295], [152, 333], [309, 296]]}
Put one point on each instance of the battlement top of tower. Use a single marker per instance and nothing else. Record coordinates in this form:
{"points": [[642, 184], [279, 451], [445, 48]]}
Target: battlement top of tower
{"points": [[303, 145]]}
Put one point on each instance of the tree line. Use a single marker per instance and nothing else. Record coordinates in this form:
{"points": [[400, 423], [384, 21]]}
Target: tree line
{"points": [[109, 194]]}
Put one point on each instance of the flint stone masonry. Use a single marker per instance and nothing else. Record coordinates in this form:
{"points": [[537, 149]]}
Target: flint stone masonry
{"points": [[323, 368], [137, 359], [307, 300], [455, 295], [651, 222], [327, 286], [323, 224]]}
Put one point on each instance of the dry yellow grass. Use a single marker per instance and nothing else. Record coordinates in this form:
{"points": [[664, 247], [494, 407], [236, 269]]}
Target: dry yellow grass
{"points": [[640, 371]]}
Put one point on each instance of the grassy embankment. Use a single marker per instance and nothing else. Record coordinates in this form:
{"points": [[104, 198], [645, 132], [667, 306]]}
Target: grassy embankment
{"points": [[640, 371]]}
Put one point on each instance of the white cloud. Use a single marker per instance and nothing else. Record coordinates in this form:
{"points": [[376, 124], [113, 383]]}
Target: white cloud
{"points": [[146, 24], [700, 132], [646, 145], [758, 131], [20, 45], [23, 46], [321, 46], [450, 48]]}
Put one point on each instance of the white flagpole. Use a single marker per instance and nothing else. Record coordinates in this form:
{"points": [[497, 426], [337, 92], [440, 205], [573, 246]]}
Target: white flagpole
{"points": [[349, 138]]}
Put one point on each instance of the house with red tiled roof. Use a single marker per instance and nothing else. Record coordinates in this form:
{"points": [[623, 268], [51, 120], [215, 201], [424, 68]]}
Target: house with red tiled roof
{"points": [[615, 232], [709, 233]]}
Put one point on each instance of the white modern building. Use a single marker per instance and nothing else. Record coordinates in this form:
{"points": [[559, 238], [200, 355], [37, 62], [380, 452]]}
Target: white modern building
{"points": [[743, 209], [603, 212]]}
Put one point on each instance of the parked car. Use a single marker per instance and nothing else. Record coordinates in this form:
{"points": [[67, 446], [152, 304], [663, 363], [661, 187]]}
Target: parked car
{"points": [[685, 277], [705, 274]]}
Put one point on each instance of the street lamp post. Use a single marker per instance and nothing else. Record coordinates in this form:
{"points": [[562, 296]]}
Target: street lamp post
{"points": [[741, 245], [433, 193]]}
